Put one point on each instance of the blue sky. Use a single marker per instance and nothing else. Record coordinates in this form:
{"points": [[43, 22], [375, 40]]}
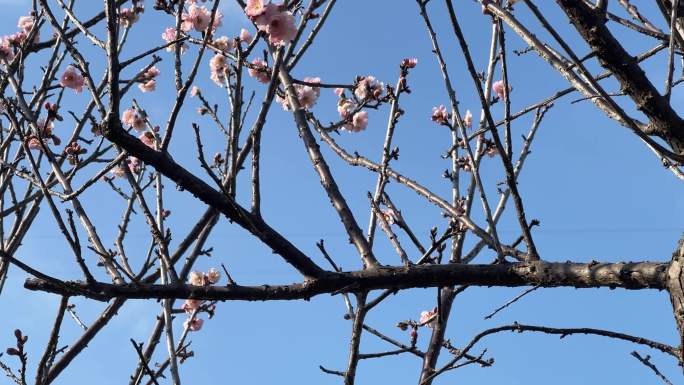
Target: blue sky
{"points": [[599, 193]]}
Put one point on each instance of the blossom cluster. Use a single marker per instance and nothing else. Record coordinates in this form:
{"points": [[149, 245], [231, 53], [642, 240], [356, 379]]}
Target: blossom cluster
{"points": [[147, 82], [192, 306], [8, 43], [273, 19]]}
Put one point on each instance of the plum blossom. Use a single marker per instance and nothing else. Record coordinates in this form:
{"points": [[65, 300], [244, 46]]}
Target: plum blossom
{"points": [[194, 91], [273, 19], [218, 68], [148, 139], [245, 36], [131, 118], [191, 305], [6, 51], [440, 114], [428, 318], [260, 71], [72, 78], [213, 275], [193, 324], [196, 278], [255, 8], [359, 120], [368, 87], [498, 88], [224, 43], [196, 18], [170, 35], [339, 92], [25, 25], [280, 28], [306, 94]]}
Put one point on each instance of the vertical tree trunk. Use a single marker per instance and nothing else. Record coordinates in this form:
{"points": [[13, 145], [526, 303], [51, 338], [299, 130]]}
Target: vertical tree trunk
{"points": [[675, 285]]}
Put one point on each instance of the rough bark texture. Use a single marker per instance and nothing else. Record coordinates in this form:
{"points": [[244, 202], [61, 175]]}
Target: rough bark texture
{"points": [[640, 275], [675, 285]]}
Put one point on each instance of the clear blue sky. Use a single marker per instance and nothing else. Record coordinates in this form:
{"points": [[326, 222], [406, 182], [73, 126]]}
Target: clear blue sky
{"points": [[599, 193]]}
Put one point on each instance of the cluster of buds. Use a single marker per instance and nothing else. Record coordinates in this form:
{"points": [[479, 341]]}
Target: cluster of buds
{"points": [[128, 16], [72, 152], [18, 351], [487, 147], [405, 65], [44, 133], [440, 115], [146, 80], [367, 88], [192, 306]]}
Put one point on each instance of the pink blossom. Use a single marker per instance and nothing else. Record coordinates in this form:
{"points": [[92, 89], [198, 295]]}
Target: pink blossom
{"points": [[427, 318], [169, 35], [218, 20], [218, 68], [6, 51], [345, 107], [194, 91], [151, 73], [191, 305], [193, 325], [359, 122], [260, 72], [224, 43], [197, 18], [196, 278], [468, 119], [132, 118], [339, 92], [213, 275], [25, 23], [33, 143], [368, 87], [148, 138], [148, 86], [306, 94], [498, 87], [245, 36], [440, 115], [280, 27], [255, 8], [72, 78]]}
